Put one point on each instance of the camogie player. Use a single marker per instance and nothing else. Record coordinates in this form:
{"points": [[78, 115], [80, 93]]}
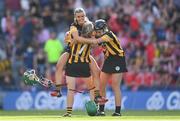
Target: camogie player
{"points": [[77, 57], [114, 63], [79, 19]]}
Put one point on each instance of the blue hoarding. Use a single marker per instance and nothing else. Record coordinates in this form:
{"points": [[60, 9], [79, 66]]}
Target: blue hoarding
{"points": [[141, 100]]}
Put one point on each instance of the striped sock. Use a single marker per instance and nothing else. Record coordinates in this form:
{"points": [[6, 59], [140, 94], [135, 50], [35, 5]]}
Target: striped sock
{"points": [[69, 110], [58, 87], [96, 93]]}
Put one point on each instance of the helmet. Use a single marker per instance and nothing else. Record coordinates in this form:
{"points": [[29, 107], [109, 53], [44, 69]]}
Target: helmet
{"points": [[87, 29], [100, 24], [91, 108]]}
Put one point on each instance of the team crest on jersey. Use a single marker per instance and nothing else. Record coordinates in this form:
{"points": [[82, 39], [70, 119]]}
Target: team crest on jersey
{"points": [[117, 68]]}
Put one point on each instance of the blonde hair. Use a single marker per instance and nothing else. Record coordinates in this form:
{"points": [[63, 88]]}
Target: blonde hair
{"points": [[87, 29], [79, 10]]}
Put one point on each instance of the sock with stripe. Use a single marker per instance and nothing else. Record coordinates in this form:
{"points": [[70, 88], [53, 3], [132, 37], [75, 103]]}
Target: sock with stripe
{"points": [[58, 87], [69, 110], [96, 93]]}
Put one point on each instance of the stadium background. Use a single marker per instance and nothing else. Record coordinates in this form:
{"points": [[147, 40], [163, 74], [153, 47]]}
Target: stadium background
{"points": [[149, 33]]}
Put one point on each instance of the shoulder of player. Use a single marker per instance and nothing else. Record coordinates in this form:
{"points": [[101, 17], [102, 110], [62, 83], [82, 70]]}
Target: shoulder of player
{"points": [[72, 26], [109, 34], [75, 25]]}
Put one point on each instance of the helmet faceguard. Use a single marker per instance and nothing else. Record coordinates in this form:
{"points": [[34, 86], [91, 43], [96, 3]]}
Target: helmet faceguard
{"points": [[100, 24]]}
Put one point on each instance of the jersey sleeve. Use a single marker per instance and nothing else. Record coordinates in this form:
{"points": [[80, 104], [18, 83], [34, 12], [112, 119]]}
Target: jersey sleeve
{"points": [[106, 38], [73, 29], [67, 38]]}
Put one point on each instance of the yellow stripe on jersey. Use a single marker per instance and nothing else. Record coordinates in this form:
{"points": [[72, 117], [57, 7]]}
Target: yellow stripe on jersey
{"points": [[110, 50], [118, 42], [80, 52], [106, 53], [77, 52], [106, 38], [87, 55], [73, 29], [116, 46], [110, 40], [83, 54], [71, 54], [68, 39], [112, 44]]}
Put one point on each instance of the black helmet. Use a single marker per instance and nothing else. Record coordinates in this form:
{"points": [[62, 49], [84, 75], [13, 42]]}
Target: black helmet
{"points": [[100, 24]]}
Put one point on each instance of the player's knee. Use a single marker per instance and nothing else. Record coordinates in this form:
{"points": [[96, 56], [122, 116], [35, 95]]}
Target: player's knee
{"points": [[95, 72], [115, 85]]}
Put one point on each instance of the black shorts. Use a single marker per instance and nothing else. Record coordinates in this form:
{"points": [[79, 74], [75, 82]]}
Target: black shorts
{"points": [[78, 70], [114, 64]]}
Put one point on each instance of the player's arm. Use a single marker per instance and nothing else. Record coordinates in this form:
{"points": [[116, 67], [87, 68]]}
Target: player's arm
{"points": [[80, 39], [67, 37], [104, 38]]}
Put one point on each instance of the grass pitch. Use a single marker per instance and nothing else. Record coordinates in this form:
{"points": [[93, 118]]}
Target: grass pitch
{"points": [[82, 116]]}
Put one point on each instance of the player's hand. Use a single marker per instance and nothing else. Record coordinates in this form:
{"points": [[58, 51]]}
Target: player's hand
{"points": [[100, 100], [56, 93], [67, 36], [73, 42]]}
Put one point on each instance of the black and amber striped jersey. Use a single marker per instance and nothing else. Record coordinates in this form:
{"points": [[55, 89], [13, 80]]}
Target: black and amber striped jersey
{"points": [[68, 38], [74, 27], [68, 41], [79, 52], [111, 45]]}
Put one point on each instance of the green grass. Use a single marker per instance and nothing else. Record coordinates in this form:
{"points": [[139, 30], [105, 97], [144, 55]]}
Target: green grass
{"points": [[80, 115]]}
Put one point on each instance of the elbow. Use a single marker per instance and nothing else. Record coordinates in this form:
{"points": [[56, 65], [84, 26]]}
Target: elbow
{"points": [[76, 38]]}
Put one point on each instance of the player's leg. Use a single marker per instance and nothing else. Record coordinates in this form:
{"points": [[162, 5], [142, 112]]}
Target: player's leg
{"points": [[90, 86], [104, 77], [60, 67], [116, 81], [95, 72], [70, 95], [59, 73]]}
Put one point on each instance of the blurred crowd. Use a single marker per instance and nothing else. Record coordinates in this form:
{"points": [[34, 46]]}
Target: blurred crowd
{"points": [[32, 36]]}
